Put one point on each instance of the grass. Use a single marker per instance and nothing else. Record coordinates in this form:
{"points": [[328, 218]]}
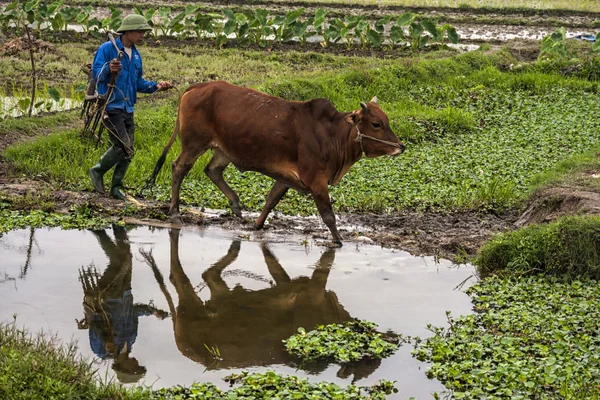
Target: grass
{"points": [[502, 5], [477, 134], [569, 247], [38, 367]]}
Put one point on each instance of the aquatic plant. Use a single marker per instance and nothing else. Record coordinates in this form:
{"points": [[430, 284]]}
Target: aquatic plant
{"points": [[80, 217], [530, 338], [351, 341], [270, 385]]}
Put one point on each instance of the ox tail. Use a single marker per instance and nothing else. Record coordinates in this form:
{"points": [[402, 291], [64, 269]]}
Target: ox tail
{"points": [[161, 161]]}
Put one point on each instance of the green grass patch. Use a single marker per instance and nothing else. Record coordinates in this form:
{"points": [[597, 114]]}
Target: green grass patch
{"points": [[38, 367], [530, 338], [351, 341], [569, 247], [477, 134], [581, 170]]}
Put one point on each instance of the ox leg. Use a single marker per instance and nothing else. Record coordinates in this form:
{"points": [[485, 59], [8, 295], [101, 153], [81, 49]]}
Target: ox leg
{"points": [[275, 268], [214, 169], [181, 167], [212, 276], [320, 194], [275, 195]]}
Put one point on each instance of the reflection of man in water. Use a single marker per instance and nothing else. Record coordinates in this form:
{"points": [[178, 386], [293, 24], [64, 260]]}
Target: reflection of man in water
{"points": [[110, 314]]}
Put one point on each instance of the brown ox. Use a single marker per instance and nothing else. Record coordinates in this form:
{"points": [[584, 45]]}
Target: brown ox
{"points": [[302, 145]]}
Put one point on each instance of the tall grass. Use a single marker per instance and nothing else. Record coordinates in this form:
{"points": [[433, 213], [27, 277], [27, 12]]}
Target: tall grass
{"points": [[569, 247]]}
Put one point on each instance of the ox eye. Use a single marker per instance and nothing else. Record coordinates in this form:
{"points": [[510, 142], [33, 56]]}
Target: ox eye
{"points": [[376, 125]]}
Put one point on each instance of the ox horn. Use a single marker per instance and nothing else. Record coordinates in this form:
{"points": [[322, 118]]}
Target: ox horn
{"points": [[374, 99], [363, 105]]}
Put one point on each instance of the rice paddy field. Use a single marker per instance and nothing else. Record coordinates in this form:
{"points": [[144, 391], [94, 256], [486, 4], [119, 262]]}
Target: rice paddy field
{"points": [[498, 104]]}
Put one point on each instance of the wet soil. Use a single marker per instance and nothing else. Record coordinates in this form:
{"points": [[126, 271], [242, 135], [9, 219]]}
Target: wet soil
{"points": [[420, 233]]}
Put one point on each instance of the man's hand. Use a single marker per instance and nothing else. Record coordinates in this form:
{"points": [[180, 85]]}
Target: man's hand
{"points": [[115, 65], [164, 86]]}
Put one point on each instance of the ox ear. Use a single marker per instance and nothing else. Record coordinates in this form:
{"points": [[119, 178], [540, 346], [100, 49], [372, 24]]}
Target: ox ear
{"points": [[374, 99], [353, 118]]}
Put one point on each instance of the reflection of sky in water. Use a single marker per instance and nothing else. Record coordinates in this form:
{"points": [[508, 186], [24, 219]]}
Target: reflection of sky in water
{"points": [[9, 106], [397, 291]]}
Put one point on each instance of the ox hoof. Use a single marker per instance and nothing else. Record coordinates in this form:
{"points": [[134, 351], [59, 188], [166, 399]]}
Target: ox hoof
{"points": [[258, 227], [176, 219], [236, 209], [336, 244]]}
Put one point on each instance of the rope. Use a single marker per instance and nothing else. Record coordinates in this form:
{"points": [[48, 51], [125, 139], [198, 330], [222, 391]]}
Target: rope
{"points": [[360, 136]]}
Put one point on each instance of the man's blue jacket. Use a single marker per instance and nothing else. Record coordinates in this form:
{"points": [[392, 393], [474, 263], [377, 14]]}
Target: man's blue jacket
{"points": [[129, 80]]}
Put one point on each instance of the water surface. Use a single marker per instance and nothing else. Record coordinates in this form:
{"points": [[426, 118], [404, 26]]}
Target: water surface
{"points": [[148, 301]]}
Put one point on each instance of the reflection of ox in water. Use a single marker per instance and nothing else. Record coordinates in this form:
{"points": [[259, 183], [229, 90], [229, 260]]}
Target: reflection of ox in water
{"points": [[247, 327]]}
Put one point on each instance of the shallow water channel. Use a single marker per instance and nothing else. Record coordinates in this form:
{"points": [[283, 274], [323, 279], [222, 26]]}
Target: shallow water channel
{"points": [[156, 297]]}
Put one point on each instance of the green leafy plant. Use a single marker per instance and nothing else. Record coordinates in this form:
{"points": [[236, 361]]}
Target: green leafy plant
{"points": [[270, 385], [351, 341], [283, 25], [530, 338], [596, 46], [553, 46]]}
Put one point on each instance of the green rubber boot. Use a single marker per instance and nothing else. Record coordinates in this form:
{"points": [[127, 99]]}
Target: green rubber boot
{"points": [[116, 190], [107, 161]]}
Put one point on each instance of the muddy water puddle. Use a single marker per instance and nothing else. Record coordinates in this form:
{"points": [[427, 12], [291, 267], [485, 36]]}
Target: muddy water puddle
{"points": [[151, 303]]}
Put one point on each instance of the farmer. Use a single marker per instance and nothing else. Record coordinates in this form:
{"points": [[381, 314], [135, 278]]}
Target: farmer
{"points": [[119, 108]]}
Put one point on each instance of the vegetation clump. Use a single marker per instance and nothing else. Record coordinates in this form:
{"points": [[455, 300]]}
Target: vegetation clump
{"points": [[80, 217], [533, 337], [568, 247], [270, 385], [38, 367], [33, 368], [351, 341]]}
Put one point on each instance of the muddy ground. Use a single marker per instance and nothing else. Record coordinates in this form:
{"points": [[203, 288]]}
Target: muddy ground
{"points": [[450, 235], [446, 235]]}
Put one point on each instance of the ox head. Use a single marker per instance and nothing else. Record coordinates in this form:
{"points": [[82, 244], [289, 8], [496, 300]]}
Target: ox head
{"points": [[374, 134]]}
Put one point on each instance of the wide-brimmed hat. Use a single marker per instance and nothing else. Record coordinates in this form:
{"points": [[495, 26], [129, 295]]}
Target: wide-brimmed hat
{"points": [[134, 22]]}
